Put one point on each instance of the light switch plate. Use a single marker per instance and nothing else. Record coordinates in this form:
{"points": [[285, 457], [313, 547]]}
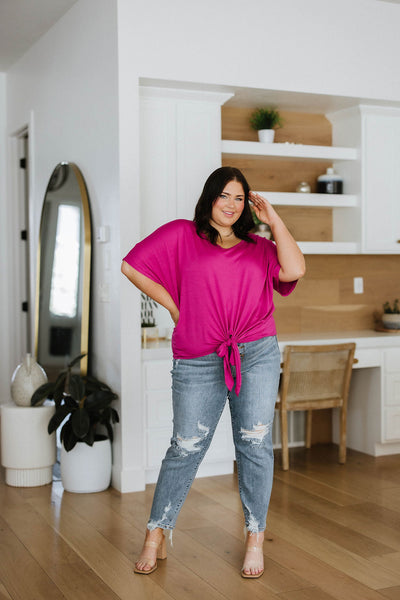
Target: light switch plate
{"points": [[358, 285]]}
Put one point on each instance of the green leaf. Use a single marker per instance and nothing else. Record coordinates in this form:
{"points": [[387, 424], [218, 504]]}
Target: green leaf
{"points": [[80, 422], [76, 388], [69, 401], [58, 417], [68, 437], [93, 384], [114, 416], [99, 400], [89, 438], [42, 393], [75, 360]]}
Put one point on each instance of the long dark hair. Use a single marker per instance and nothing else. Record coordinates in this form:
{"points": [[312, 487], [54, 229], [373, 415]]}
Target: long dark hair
{"points": [[213, 187]]}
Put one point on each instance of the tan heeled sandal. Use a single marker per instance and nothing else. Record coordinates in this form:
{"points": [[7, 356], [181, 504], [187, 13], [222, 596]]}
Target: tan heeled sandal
{"points": [[252, 565], [161, 555]]}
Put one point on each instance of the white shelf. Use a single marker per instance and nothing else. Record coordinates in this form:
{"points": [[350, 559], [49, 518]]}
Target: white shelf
{"points": [[329, 247], [325, 247], [305, 199], [288, 150]]}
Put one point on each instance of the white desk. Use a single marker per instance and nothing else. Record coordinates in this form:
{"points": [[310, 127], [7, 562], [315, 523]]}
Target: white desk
{"points": [[373, 424]]}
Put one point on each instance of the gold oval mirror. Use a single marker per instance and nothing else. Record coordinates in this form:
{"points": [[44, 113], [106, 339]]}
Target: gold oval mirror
{"points": [[63, 273]]}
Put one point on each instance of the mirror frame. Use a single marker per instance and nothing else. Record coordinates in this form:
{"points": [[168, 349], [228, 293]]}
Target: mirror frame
{"points": [[87, 256]]}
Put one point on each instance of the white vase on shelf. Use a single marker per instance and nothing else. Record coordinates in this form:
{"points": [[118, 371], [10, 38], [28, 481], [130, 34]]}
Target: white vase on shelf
{"points": [[27, 377], [266, 136]]}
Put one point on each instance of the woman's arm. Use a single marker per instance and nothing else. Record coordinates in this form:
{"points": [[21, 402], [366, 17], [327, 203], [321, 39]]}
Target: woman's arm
{"points": [[290, 257], [152, 289]]}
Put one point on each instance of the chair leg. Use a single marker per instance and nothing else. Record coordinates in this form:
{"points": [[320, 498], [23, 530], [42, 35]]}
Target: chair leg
{"points": [[342, 442], [284, 440], [308, 428]]}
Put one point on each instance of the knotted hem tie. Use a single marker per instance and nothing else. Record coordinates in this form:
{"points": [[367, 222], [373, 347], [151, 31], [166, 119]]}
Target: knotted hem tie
{"points": [[229, 351]]}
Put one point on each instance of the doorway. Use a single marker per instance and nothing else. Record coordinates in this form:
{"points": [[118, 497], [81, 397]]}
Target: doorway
{"points": [[23, 263]]}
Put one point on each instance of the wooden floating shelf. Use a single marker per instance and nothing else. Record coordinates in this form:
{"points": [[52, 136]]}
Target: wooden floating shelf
{"points": [[308, 199], [288, 150]]}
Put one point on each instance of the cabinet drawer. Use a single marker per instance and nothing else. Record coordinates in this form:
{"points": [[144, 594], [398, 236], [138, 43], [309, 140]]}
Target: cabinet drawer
{"points": [[392, 360], [392, 424], [157, 375], [159, 408], [392, 391], [367, 357]]}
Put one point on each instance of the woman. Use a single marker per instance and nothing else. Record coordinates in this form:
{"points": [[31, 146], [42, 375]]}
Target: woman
{"points": [[216, 279]]}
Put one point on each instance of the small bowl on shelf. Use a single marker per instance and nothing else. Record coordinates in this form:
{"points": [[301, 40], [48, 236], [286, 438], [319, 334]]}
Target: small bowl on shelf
{"points": [[391, 321]]}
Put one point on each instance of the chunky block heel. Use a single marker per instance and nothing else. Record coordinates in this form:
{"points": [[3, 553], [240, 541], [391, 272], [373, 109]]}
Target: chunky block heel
{"points": [[161, 555]]}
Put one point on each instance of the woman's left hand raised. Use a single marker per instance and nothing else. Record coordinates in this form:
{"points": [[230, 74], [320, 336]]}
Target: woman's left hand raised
{"points": [[263, 209]]}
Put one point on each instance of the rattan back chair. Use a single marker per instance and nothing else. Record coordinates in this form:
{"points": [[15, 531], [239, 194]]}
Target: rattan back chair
{"points": [[315, 377]]}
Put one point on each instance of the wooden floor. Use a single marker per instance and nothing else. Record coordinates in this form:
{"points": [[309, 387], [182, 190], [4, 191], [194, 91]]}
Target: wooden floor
{"points": [[333, 532]]}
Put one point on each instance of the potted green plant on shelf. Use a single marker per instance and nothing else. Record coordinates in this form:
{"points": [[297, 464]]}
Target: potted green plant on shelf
{"points": [[83, 409], [391, 315], [265, 121]]}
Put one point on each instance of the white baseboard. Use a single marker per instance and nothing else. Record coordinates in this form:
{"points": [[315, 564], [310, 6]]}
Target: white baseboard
{"points": [[128, 480], [387, 449]]}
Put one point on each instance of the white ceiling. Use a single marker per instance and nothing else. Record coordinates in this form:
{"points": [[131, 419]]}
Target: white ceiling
{"points": [[23, 22]]}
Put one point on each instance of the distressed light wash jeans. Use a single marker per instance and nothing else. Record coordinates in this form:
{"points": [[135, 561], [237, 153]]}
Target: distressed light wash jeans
{"points": [[199, 394]]}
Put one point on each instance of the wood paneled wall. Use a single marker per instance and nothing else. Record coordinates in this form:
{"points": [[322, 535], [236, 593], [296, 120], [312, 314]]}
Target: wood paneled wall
{"points": [[324, 299]]}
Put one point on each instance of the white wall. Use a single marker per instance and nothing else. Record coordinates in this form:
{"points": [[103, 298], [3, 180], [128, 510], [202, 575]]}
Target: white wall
{"points": [[342, 47], [66, 88]]}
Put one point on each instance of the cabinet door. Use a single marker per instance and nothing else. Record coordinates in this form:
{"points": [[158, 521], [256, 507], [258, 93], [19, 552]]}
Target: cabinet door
{"points": [[381, 182]]}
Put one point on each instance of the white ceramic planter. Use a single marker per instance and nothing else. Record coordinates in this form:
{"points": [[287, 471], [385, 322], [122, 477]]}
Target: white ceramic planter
{"points": [[28, 452], [266, 136], [391, 321], [86, 468]]}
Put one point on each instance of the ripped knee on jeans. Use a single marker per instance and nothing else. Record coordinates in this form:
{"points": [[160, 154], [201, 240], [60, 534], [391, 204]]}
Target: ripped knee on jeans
{"points": [[187, 445], [256, 435]]}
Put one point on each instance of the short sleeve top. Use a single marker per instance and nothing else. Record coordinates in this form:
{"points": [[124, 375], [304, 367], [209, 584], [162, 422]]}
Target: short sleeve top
{"points": [[224, 295]]}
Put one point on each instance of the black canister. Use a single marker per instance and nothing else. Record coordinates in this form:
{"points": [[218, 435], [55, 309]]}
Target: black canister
{"points": [[330, 183]]}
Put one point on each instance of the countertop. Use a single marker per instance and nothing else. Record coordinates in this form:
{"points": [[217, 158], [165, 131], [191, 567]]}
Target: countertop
{"points": [[368, 339]]}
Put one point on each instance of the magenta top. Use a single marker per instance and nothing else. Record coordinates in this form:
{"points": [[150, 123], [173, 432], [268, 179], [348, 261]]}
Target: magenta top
{"points": [[224, 295]]}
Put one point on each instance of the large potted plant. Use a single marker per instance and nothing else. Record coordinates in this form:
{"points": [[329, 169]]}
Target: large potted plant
{"points": [[391, 315], [265, 121], [83, 409]]}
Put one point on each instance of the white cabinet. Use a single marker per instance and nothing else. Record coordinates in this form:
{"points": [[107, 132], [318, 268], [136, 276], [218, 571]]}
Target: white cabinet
{"points": [[391, 420], [381, 180], [156, 379], [180, 145], [375, 130]]}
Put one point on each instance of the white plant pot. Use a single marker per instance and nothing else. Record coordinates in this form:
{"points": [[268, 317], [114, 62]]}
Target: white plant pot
{"points": [[28, 452], [266, 136], [391, 321], [86, 469]]}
